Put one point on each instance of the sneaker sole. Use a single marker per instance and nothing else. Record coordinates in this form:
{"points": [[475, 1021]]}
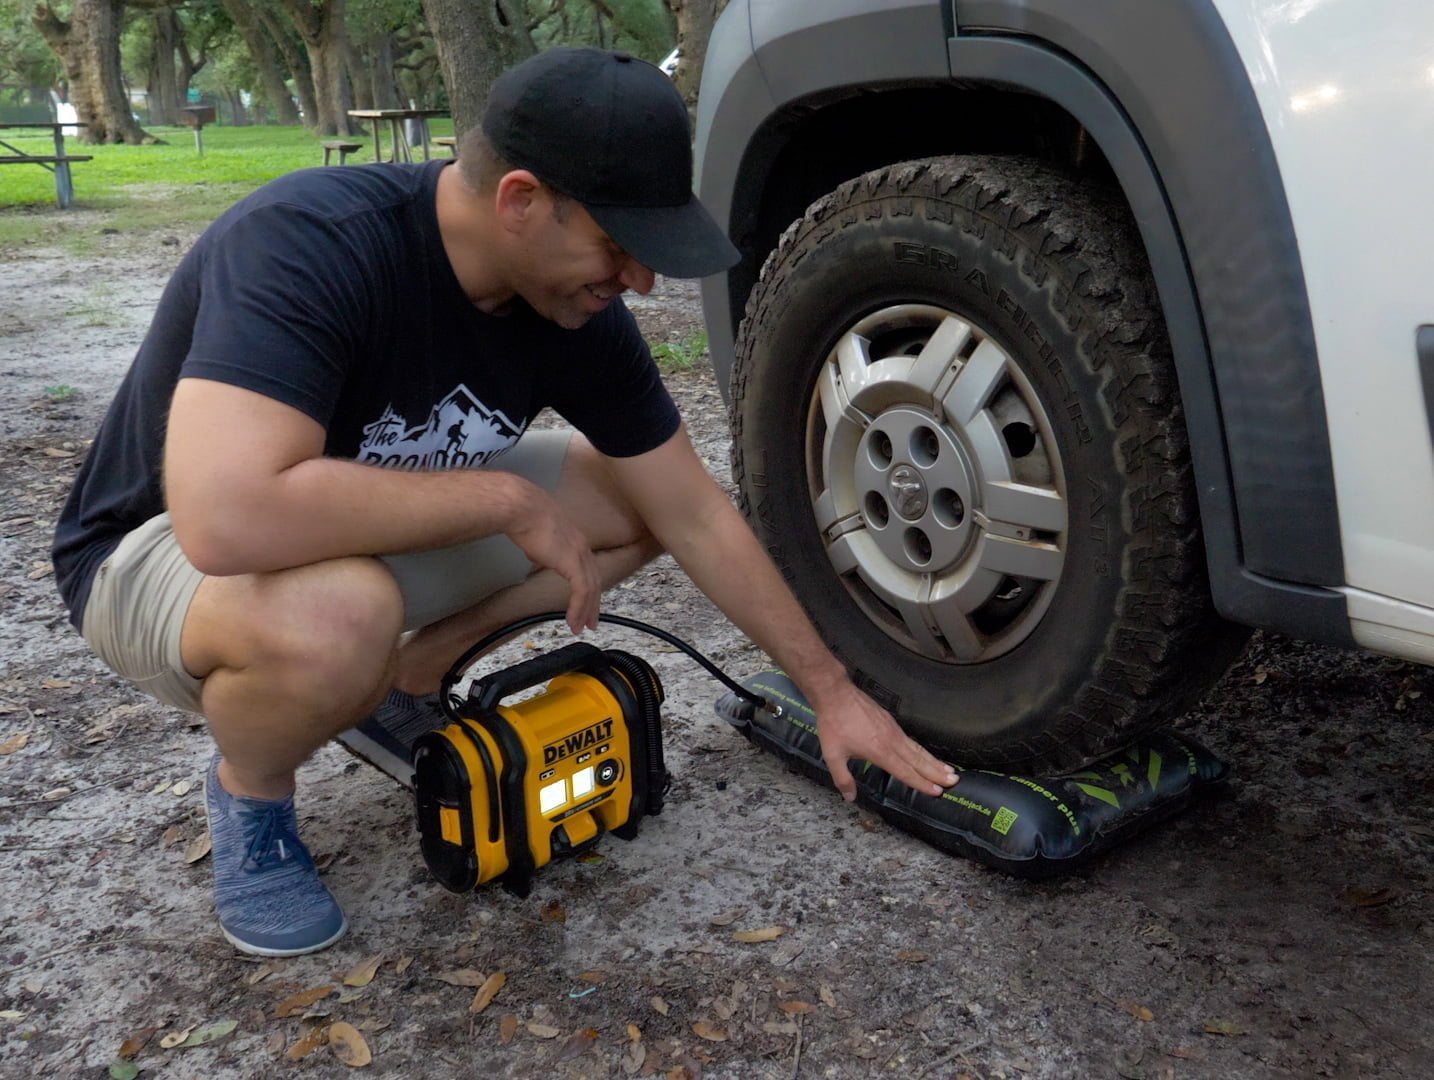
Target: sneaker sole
{"points": [[379, 756], [259, 950]]}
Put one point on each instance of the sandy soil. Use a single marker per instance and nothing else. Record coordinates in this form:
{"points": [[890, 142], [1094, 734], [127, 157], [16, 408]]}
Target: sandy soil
{"points": [[1283, 930]]}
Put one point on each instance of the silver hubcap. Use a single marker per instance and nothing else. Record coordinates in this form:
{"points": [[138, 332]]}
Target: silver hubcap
{"points": [[936, 483]]}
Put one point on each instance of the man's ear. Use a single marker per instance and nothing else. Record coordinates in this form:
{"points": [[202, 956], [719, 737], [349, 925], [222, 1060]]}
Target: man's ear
{"points": [[518, 195]]}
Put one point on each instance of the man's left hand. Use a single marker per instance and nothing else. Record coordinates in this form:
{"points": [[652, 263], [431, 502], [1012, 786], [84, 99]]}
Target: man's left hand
{"points": [[851, 725]]}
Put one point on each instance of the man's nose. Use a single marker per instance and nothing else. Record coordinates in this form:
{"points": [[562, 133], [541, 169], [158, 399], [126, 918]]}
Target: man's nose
{"points": [[636, 277]]}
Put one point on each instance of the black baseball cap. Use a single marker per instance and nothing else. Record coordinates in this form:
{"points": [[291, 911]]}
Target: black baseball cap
{"points": [[611, 131]]}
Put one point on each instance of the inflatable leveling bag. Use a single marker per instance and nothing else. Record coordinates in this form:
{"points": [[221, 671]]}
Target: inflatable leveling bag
{"points": [[1032, 827]]}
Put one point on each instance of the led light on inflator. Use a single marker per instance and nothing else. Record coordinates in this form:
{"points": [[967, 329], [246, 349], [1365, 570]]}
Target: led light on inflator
{"points": [[552, 796], [582, 782]]}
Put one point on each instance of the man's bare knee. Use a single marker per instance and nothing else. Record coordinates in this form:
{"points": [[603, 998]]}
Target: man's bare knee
{"points": [[325, 631], [589, 492]]}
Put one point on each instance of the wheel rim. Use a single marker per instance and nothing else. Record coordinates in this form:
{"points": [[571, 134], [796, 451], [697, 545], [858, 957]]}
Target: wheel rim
{"points": [[936, 483]]}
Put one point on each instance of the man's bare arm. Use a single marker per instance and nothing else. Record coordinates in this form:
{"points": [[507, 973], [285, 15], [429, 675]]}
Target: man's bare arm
{"points": [[693, 519], [249, 490]]}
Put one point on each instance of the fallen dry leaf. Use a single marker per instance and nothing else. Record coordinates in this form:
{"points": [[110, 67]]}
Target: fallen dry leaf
{"points": [[462, 977], [275, 1042], [659, 1005], [727, 918], [507, 1028], [172, 835], [594, 977], [911, 956], [786, 1027], [633, 1060], [14, 742], [553, 911], [828, 998], [487, 992], [348, 1045], [259, 974], [1135, 1009], [791, 1008], [577, 1043], [56, 684], [209, 1033], [767, 933], [56, 452], [1186, 1053], [542, 1031], [302, 1000], [57, 793], [710, 1032], [316, 1038], [1217, 1026], [403, 965], [171, 1039], [362, 974], [634, 1033], [135, 1042], [182, 788], [198, 848]]}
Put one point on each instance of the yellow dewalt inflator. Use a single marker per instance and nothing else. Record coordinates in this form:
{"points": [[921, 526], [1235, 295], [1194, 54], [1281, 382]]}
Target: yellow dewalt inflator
{"points": [[504, 789]]}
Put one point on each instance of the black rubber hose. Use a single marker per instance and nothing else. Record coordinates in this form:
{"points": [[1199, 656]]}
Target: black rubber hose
{"points": [[450, 707]]}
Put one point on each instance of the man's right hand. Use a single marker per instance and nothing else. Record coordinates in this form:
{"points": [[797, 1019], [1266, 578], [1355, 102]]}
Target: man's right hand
{"points": [[551, 541]]}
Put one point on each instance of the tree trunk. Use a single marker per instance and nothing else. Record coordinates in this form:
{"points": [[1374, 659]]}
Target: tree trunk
{"points": [[88, 48], [266, 63], [384, 87], [321, 28], [695, 19], [238, 116], [477, 40], [294, 60], [163, 87], [188, 65], [360, 77]]}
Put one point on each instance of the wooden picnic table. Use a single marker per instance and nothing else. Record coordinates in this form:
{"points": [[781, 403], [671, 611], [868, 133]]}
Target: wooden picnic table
{"points": [[58, 162], [399, 150]]}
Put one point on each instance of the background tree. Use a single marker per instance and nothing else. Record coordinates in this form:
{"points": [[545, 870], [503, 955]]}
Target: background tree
{"points": [[87, 45], [266, 76], [695, 19], [476, 40]]}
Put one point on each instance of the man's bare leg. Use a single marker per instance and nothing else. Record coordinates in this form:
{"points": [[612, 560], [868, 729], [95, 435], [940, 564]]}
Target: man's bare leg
{"points": [[620, 542], [289, 660]]}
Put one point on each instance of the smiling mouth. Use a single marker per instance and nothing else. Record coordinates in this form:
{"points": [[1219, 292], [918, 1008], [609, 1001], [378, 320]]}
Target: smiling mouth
{"points": [[602, 294]]}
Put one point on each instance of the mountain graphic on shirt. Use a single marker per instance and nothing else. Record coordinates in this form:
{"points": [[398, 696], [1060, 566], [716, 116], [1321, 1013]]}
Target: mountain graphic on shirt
{"points": [[459, 432]]}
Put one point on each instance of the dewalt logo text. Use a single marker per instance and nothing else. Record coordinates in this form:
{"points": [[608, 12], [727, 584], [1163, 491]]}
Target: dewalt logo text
{"points": [[577, 741]]}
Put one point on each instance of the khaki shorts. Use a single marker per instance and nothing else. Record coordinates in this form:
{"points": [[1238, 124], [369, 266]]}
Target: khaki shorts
{"points": [[141, 593]]}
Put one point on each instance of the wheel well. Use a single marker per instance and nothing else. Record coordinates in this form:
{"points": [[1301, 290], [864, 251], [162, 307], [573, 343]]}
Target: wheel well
{"points": [[811, 146]]}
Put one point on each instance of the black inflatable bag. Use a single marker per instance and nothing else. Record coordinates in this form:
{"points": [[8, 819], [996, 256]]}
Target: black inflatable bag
{"points": [[1033, 827]]}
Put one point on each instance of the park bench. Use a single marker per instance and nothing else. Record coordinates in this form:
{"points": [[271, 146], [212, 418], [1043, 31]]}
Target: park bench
{"points": [[343, 147], [446, 140], [57, 163]]}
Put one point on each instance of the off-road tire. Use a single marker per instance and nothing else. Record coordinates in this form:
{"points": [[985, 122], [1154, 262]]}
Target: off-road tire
{"points": [[1053, 268]]}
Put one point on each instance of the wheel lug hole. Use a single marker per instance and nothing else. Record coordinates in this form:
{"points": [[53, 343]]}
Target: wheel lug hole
{"points": [[878, 513], [918, 546], [924, 446], [948, 508], [880, 450]]}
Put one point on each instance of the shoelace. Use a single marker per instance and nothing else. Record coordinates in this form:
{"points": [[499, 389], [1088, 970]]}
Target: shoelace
{"points": [[274, 841]]}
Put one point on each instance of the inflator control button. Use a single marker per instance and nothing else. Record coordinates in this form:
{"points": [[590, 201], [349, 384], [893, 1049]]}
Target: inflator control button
{"points": [[606, 772]]}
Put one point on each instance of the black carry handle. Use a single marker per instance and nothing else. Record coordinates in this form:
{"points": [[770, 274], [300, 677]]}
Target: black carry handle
{"points": [[488, 691]]}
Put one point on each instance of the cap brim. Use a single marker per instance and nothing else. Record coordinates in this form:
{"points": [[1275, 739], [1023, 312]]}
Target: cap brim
{"points": [[674, 241]]}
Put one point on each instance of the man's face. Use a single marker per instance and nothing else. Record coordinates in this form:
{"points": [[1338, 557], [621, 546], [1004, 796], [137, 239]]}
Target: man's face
{"points": [[568, 269]]}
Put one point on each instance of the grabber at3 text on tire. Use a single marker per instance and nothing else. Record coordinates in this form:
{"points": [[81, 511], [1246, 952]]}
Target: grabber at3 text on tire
{"points": [[957, 430]]}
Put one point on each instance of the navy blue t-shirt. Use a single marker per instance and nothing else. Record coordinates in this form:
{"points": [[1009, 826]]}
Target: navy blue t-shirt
{"points": [[329, 290]]}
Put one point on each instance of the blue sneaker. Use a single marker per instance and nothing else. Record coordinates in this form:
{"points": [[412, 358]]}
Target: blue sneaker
{"points": [[266, 888], [385, 738]]}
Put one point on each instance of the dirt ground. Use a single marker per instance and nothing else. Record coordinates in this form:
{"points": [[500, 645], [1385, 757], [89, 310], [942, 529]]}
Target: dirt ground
{"points": [[1280, 930]]}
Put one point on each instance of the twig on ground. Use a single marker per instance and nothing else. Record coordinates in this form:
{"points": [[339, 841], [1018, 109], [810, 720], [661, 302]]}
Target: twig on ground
{"points": [[797, 1057], [152, 942], [960, 1052], [93, 787]]}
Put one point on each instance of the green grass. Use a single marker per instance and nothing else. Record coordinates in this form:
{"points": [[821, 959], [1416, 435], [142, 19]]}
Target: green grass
{"points": [[139, 189], [674, 356]]}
